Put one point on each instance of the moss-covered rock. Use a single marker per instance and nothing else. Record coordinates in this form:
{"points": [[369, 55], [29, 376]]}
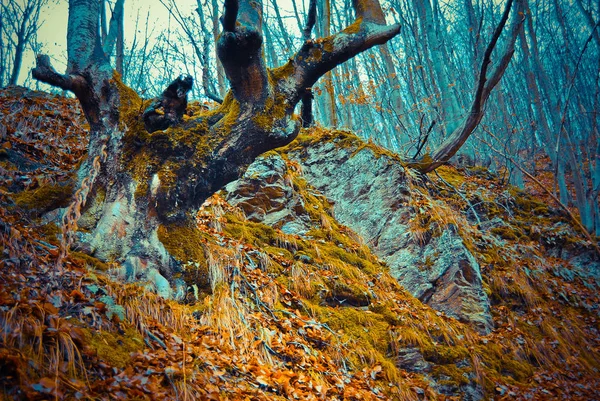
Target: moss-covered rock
{"points": [[45, 198]]}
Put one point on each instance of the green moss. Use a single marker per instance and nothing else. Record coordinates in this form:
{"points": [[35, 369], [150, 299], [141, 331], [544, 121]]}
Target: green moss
{"points": [[279, 73], [45, 198], [89, 260], [451, 176], [274, 111], [456, 376], [354, 27], [528, 203], [366, 333], [50, 232], [249, 231], [183, 243], [445, 354], [348, 293], [115, 348], [508, 233], [422, 163]]}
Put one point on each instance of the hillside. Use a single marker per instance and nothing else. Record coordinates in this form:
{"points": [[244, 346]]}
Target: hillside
{"points": [[329, 271]]}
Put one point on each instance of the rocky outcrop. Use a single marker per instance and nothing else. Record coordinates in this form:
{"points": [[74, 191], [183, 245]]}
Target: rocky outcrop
{"points": [[265, 194], [371, 196]]}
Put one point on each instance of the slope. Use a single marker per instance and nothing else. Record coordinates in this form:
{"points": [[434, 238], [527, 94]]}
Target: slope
{"points": [[283, 300]]}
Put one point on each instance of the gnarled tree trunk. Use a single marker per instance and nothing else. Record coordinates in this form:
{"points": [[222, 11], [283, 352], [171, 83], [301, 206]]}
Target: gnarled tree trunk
{"points": [[150, 167]]}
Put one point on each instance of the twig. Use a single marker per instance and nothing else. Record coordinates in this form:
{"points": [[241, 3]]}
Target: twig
{"points": [[424, 141]]}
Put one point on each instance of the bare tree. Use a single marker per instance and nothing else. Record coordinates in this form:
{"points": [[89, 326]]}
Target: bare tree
{"points": [[114, 36], [19, 21], [146, 182]]}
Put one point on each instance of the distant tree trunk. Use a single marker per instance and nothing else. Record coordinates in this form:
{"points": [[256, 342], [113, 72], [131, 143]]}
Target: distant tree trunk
{"points": [[114, 37], [590, 21], [2, 50], [14, 77], [215, 32], [282, 29], [328, 99], [449, 103], [143, 182], [120, 44], [394, 82]]}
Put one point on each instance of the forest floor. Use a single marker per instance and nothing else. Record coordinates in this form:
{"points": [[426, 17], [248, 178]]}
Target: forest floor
{"points": [[68, 330]]}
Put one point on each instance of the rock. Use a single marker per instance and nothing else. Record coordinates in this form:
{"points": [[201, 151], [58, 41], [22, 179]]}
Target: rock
{"points": [[371, 196], [266, 195], [412, 360]]}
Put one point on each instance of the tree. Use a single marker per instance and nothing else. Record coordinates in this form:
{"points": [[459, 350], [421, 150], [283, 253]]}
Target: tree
{"points": [[141, 185], [19, 22]]}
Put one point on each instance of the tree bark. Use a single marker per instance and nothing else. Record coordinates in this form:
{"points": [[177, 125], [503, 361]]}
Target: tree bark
{"points": [[148, 172]]}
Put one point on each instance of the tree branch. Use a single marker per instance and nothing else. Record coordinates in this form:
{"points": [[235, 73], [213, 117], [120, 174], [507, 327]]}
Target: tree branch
{"points": [[230, 15], [311, 20], [320, 56], [45, 72], [240, 50], [476, 108], [484, 87]]}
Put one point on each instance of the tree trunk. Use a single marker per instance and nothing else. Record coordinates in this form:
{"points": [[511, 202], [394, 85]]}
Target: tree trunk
{"points": [[215, 32], [149, 168], [14, 77]]}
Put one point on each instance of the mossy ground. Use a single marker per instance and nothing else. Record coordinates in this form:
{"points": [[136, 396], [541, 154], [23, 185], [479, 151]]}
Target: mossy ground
{"points": [[290, 317]]}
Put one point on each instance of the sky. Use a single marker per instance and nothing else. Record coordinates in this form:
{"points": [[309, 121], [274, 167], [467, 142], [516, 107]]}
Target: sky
{"points": [[53, 32]]}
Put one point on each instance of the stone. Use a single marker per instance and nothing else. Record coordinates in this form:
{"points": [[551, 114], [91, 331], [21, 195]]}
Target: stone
{"points": [[266, 195], [371, 196]]}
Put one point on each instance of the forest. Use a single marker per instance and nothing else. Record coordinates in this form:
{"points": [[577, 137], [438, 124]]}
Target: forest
{"points": [[300, 199]]}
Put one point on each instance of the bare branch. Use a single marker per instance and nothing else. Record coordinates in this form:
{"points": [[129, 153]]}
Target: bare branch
{"points": [[45, 72], [486, 58], [311, 19], [459, 136]]}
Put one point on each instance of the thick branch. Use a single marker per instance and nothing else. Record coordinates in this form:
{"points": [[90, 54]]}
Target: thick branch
{"points": [[230, 15], [45, 72], [240, 50], [318, 57], [76, 83]]}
